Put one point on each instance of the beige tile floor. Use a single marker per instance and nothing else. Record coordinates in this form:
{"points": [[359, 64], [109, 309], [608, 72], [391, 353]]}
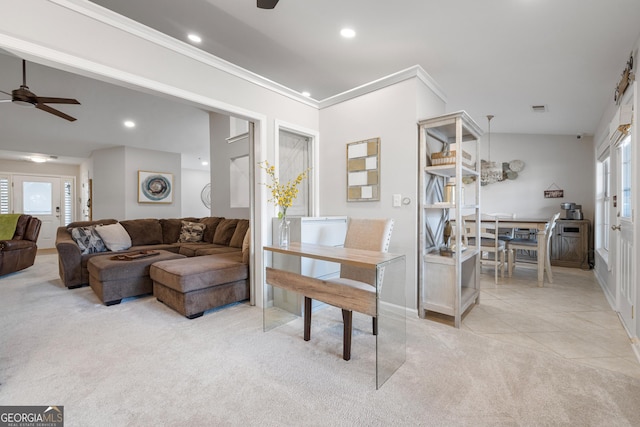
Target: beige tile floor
{"points": [[570, 318]]}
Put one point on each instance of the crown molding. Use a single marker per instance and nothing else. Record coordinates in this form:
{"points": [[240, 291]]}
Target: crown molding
{"points": [[415, 71], [137, 29]]}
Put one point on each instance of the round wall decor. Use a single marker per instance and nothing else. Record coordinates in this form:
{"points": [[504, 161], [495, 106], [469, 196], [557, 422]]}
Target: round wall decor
{"points": [[205, 195]]}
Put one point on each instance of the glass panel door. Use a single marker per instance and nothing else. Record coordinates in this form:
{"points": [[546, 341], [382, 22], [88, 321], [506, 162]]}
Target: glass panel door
{"points": [[40, 196], [36, 198]]}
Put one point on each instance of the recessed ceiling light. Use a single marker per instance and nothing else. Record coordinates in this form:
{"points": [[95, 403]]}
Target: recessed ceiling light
{"points": [[347, 33], [195, 38], [129, 123], [38, 159], [205, 163], [305, 93]]}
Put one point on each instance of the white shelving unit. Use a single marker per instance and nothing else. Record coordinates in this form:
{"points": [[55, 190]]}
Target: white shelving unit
{"points": [[448, 284]]}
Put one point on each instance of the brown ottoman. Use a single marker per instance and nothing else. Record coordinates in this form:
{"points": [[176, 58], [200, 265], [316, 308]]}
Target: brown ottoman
{"points": [[194, 285], [114, 279]]}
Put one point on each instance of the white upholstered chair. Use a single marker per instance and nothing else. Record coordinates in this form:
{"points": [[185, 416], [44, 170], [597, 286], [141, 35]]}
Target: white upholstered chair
{"points": [[532, 245], [367, 234]]}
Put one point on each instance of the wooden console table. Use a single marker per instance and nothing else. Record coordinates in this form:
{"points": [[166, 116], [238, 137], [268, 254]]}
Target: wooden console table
{"points": [[389, 305]]}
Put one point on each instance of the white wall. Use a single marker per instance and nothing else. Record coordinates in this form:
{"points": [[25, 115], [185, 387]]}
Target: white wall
{"points": [[391, 114], [562, 160], [606, 272], [193, 181]]}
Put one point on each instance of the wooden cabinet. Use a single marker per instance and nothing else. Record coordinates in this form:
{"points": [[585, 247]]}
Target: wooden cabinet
{"points": [[449, 189], [571, 244], [329, 231]]}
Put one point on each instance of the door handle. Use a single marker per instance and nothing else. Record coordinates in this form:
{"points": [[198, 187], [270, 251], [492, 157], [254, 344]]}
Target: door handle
{"points": [[615, 227]]}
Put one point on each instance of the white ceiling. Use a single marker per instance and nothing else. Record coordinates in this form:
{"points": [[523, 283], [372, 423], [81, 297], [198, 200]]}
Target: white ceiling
{"points": [[160, 124], [490, 57]]}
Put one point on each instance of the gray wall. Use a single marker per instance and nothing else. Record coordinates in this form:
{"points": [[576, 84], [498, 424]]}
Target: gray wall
{"points": [[193, 181], [562, 160], [115, 183], [392, 114], [221, 155]]}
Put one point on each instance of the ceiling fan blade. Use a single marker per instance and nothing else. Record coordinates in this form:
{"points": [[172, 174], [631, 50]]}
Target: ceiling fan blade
{"points": [[267, 4], [48, 109], [6, 93], [46, 100]]}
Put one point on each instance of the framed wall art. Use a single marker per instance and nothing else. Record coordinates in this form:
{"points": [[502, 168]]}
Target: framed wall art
{"points": [[155, 187], [363, 170]]}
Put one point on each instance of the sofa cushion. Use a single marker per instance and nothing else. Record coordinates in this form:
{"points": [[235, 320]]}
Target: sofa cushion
{"points": [[143, 231], [191, 232], [88, 223], [211, 223], [171, 228], [186, 275], [224, 231], [114, 236], [210, 250], [246, 246], [238, 234], [88, 240]]}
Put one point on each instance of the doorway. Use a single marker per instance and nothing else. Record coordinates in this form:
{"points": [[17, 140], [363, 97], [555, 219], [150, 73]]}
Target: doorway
{"points": [[626, 287], [49, 198], [296, 152]]}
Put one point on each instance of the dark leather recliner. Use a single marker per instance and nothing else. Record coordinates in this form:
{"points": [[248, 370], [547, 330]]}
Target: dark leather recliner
{"points": [[20, 252]]}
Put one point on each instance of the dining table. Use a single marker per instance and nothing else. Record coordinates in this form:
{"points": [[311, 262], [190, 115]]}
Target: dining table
{"points": [[539, 226]]}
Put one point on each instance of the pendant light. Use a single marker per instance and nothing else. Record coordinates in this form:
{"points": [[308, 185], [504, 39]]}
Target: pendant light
{"points": [[490, 173]]}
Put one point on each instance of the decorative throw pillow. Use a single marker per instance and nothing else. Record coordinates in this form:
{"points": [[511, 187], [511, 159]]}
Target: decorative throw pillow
{"points": [[88, 240], [191, 232], [115, 237]]}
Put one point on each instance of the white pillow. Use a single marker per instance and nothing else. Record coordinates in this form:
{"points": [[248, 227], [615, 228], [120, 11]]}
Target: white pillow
{"points": [[115, 237]]}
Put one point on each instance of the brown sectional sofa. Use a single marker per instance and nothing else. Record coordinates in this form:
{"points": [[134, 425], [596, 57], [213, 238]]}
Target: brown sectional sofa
{"points": [[208, 273], [148, 234]]}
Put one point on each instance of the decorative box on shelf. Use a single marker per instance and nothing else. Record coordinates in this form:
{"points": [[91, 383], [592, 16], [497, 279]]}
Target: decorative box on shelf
{"points": [[447, 157]]}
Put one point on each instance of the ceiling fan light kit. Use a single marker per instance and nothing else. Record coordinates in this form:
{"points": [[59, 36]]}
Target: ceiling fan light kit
{"points": [[25, 98], [267, 4]]}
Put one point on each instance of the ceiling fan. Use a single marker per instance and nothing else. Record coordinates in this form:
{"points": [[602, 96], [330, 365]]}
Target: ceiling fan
{"points": [[267, 4], [23, 96]]}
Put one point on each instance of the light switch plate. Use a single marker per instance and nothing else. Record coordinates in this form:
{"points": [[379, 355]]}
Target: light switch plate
{"points": [[397, 200]]}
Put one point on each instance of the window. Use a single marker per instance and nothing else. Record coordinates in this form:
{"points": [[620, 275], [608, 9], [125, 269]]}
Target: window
{"points": [[603, 204], [5, 194], [625, 202], [68, 201], [37, 198], [295, 153]]}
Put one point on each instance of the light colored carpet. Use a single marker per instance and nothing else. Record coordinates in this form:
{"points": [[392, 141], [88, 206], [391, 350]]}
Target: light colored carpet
{"points": [[140, 363]]}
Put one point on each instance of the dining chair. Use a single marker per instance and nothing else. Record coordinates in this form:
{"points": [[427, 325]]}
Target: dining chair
{"points": [[492, 249], [367, 234], [505, 234], [532, 245]]}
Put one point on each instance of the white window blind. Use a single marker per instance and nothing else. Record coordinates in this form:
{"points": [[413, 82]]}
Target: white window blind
{"points": [[5, 194], [68, 202]]}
